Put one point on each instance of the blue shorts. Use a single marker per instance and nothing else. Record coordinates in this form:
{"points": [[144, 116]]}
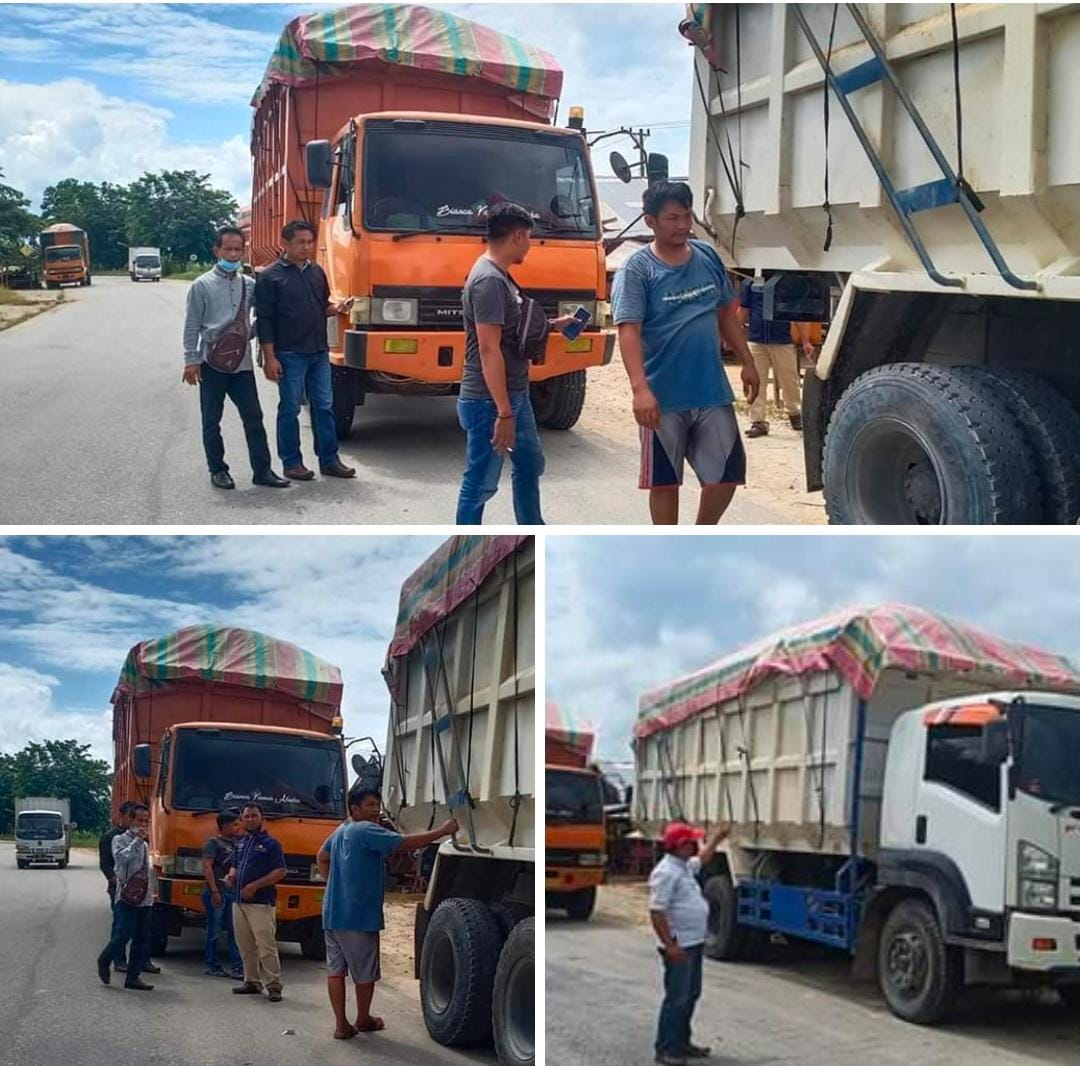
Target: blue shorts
{"points": [[707, 437]]}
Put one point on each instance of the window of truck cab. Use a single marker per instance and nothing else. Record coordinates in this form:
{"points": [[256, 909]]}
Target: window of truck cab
{"points": [[444, 177], [573, 798], [65, 251], [214, 769]]}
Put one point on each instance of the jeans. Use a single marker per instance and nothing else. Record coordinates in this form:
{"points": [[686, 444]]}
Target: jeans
{"points": [[240, 388], [112, 908], [217, 919], [483, 464], [682, 989], [302, 373], [129, 924]]}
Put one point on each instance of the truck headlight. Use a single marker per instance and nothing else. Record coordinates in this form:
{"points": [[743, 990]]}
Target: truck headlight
{"points": [[1038, 871], [591, 858], [568, 307], [188, 865], [360, 312], [315, 875], [20, 846], [395, 312]]}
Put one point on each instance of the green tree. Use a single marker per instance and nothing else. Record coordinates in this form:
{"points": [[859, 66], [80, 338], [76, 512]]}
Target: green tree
{"points": [[16, 223], [177, 211], [101, 210], [61, 768]]}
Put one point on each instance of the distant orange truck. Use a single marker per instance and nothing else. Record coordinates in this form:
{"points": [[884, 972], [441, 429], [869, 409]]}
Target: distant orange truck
{"points": [[65, 253], [208, 718], [396, 141]]}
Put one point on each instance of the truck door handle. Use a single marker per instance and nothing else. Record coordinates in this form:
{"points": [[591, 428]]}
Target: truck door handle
{"points": [[920, 829]]}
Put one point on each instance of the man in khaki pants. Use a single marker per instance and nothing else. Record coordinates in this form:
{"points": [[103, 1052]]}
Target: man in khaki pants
{"points": [[259, 865], [771, 347]]}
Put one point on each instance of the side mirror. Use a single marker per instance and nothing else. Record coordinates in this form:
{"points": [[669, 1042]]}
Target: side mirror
{"points": [[657, 168], [620, 167], [140, 760], [320, 164], [359, 764], [73, 825], [994, 744]]}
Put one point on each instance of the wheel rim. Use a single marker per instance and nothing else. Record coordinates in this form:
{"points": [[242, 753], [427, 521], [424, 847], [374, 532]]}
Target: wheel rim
{"points": [[907, 964], [441, 973], [894, 477], [518, 1010]]}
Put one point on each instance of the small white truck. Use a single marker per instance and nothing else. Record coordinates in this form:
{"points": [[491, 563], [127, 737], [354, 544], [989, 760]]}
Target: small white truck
{"points": [[144, 264], [461, 743], [898, 786], [42, 831]]}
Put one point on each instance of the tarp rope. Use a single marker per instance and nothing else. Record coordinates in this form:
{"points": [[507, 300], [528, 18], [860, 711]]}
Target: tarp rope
{"points": [[825, 96], [515, 802]]}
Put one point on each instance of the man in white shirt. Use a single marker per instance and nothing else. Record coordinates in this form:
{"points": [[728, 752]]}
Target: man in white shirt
{"points": [[680, 917]]}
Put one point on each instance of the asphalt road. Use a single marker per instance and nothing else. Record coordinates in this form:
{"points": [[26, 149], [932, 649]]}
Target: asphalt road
{"points": [[99, 429], [55, 1012], [603, 992]]}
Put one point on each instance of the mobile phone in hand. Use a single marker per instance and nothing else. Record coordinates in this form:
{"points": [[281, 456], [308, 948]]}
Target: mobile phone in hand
{"points": [[573, 331]]}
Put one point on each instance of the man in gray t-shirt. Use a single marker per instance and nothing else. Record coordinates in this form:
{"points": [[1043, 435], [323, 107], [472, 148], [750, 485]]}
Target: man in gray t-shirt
{"points": [[494, 407]]}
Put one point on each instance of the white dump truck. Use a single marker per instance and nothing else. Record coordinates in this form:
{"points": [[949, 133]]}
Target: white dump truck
{"points": [[461, 743], [42, 831], [899, 787], [144, 264], [937, 200]]}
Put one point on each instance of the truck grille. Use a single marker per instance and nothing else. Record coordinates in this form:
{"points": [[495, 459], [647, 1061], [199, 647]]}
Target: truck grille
{"points": [[440, 309], [560, 857], [299, 867]]}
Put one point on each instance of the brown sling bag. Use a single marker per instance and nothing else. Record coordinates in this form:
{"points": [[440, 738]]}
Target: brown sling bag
{"points": [[227, 350]]}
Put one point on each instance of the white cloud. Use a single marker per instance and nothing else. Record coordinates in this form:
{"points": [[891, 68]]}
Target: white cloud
{"points": [[70, 128], [27, 713]]}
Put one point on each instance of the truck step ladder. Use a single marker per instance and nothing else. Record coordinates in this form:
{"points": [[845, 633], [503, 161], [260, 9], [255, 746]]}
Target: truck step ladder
{"points": [[949, 189], [443, 724]]}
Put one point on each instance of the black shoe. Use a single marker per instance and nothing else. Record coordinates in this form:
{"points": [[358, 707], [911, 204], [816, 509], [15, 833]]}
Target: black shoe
{"points": [[796, 422], [222, 480], [138, 985], [120, 967], [270, 480], [247, 989], [151, 968], [693, 1051], [103, 972], [274, 995]]}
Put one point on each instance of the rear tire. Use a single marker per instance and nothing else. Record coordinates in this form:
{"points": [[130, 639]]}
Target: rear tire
{"points": [[580, 904], [458, 960], [919, 974], [557, 402], [910, 443], [513, 1002]]}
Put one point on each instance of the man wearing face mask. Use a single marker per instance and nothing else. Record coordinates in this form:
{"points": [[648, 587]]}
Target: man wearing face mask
{"points": [[217, 358]]}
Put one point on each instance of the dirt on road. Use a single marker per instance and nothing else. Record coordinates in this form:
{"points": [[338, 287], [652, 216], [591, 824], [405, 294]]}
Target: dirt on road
{"points": [[18, 305]]}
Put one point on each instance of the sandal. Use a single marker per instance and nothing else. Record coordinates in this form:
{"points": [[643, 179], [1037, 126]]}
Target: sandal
{"points": [[373, 1025]]}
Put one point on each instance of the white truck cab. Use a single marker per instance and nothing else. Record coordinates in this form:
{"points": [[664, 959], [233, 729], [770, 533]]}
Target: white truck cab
{"points": [[144, 264], [41, 835]]}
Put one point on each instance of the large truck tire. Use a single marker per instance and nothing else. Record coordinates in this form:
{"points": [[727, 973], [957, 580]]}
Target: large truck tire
{"points": [[21, 864], [313, 942], [513, 1003], [1070, 996], [345, 391], [580, 904], [727, 940], [557, 402], [505, 916], [61, 864], [457, 972], [919, 974], [159, 931], [1051, 426], [914, 444]]}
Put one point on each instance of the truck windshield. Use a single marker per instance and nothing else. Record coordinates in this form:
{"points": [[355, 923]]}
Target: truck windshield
{"points": [[39, 826], [64, 252], [283, 774], [573, 798], [1049, 756], [444, 180], [147, 261]]}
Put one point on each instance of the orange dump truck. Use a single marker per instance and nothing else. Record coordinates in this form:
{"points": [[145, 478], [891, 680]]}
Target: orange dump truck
{"points": [[394, 129], [209, 718], [65, 254], [574, 834]]}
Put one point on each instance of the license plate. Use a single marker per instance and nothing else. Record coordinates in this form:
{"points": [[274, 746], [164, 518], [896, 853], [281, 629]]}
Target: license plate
{"points": [[582, 344]]}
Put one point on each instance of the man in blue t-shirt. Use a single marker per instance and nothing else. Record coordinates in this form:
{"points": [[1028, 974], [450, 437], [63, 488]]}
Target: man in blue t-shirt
{"points": [[772, 348], [352, 862], [672, 302]]}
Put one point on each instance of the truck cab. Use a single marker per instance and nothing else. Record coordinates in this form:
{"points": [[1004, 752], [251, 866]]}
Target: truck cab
{"points": [[41, 836], [144, 264], [575, 839], [403, 220], [298, 779]]}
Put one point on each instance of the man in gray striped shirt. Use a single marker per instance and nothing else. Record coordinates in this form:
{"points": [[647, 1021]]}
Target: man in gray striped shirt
{"points": [[213, 302]]}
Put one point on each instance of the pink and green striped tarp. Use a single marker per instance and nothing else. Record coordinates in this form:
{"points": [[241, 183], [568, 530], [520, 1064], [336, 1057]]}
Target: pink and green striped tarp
{"points": [[860, 643], [410, 35], [234, 657], [567, 729]]}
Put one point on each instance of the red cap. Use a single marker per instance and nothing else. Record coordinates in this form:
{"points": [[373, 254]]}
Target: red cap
{"points": [[679, 833]]}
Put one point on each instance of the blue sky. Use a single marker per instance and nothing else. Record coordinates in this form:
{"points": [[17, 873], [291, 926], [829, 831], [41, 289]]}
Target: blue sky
{"points": [[627, 613], [104, 92], [71, 607]]}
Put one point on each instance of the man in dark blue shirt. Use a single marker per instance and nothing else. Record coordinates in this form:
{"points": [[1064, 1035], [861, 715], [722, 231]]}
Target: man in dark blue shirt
{"points": [[772, 348], [258, 865]]}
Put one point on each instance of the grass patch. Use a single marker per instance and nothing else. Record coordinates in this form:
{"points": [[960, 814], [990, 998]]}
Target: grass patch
{"points": [[11, 298], [85, 839]]}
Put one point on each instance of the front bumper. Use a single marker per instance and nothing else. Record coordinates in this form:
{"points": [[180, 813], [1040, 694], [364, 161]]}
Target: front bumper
{"points": [[1043, 942], [440, 357], [294, 902], [31, 854], [572, 878]]}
